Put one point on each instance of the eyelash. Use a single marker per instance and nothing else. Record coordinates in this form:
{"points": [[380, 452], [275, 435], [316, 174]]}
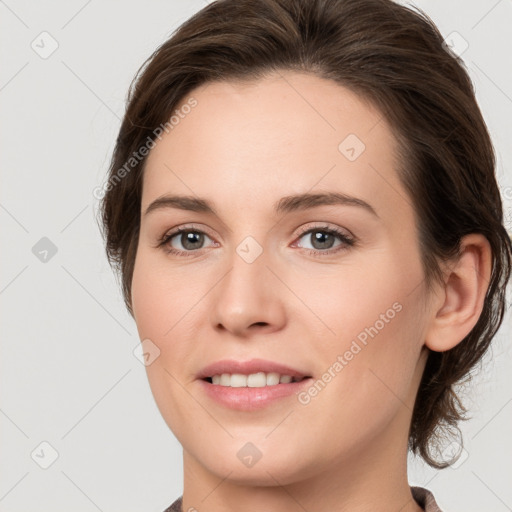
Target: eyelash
{"points": [[347, 241]]}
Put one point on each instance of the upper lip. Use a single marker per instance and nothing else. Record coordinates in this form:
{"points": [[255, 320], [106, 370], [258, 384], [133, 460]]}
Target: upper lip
{"points": [[248, 367]]}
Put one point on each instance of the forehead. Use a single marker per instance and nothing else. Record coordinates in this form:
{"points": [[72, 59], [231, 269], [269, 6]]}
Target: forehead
{"points": [[287, 133]]}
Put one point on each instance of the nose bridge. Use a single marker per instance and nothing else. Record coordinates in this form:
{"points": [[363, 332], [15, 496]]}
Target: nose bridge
{"points": [[247, 294], [248, 276]]}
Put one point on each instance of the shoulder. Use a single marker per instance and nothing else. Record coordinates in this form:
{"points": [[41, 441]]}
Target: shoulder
{"points": [[425, 499], [175, 507]]}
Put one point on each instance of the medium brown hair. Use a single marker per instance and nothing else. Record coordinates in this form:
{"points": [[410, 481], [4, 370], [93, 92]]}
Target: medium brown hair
{"points": [[386, 53]]}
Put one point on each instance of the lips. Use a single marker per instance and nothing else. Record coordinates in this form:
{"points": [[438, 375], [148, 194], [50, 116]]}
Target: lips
{"points": [[250, 367], [225, 383]]}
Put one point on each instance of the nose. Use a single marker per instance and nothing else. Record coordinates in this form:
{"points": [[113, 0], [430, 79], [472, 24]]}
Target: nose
{"points": [[249, 298]]}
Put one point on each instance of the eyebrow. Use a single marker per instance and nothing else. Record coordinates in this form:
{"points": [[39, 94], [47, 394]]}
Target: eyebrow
{"points": [[286, 204]]}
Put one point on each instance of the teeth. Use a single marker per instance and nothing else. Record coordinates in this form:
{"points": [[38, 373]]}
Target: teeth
{"points": [[254, 380]]}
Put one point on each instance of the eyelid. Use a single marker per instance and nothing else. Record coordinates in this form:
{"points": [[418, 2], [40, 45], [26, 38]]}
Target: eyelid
{"points": [[190, 226], [325, 225], [347, 239], [302, 229], [163, 242], [344, 235]]}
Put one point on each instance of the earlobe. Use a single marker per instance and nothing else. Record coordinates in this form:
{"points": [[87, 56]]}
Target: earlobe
{"points": [[462, 299]]}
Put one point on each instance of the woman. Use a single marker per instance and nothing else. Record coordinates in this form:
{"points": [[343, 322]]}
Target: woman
{"points": [[303, 208]]}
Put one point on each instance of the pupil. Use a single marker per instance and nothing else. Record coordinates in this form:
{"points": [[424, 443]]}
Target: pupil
{"points": [[320, 237], [191, 238]]}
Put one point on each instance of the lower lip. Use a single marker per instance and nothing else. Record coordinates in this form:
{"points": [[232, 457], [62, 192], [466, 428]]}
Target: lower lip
{"points": [[251, 399]]}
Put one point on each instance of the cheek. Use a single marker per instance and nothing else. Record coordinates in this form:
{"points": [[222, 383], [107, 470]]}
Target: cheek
{"points": [[375, 321], [384, 372], [361, 303], [159, 298], [367, 379], [160, 305], [167, 305]]}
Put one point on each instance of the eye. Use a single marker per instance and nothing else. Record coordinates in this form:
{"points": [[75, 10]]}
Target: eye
{"points": [[323, 240], [184, 241]]}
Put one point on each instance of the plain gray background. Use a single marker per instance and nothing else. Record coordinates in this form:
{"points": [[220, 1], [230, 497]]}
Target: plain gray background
{"points": [[69, 378]]}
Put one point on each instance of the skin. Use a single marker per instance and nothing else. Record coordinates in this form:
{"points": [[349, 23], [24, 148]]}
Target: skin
{"points": [[244, 147]]}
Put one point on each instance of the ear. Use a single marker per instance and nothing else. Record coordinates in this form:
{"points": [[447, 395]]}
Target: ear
{"points": [[458, 305]]}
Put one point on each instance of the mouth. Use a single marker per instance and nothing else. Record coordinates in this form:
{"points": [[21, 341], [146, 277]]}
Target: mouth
{"points": [[255, 373], [253, 380], [252, 385]]}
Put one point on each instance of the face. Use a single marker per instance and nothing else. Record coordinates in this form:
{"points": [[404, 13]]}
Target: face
{"points": [[329, 287]]}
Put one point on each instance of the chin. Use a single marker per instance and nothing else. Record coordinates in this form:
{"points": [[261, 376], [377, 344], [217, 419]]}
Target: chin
{"points": [[246, 464], [260, 475]]}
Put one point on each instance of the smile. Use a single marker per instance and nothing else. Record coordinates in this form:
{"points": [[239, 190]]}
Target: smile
{"points": [[253, 380]]}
